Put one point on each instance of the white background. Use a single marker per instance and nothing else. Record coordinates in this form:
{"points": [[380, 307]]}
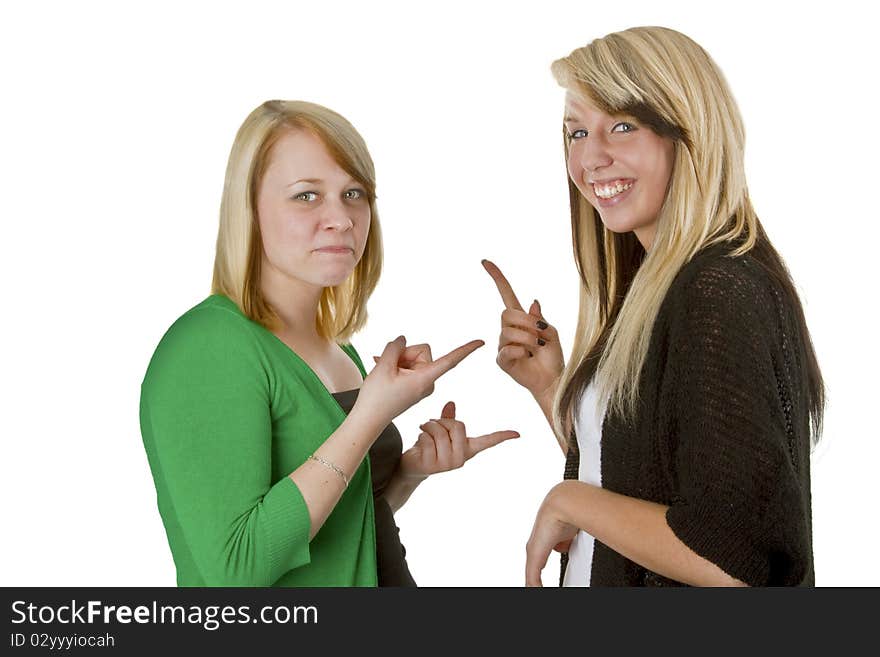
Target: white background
{"points": [[117, 120]]}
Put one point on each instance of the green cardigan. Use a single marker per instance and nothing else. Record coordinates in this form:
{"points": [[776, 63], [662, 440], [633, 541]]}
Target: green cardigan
{"points": [[227, 412]]}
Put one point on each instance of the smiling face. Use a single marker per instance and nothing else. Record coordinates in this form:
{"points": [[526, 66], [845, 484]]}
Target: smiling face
{"points": [[314, 217], [621, 167]]}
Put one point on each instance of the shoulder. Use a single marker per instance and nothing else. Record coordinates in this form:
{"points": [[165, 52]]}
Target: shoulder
{"points": [[212, 333], [737, 288], [216, 320]]}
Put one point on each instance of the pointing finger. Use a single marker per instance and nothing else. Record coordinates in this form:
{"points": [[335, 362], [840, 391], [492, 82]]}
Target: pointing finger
{"points": [[480, 443], [504, 288], [442, 365]]}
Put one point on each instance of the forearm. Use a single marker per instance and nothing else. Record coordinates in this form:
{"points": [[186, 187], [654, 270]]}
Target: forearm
{"points": [[400, 488], [636, 529], [345, 448], [545, 402]]}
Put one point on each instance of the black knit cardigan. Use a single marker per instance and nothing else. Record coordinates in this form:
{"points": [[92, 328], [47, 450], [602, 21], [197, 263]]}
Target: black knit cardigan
{"points": [[722, 432]]}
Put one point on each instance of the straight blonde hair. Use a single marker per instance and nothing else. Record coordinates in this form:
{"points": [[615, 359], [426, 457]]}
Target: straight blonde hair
{"points": [[342, 308], [668, 83]]}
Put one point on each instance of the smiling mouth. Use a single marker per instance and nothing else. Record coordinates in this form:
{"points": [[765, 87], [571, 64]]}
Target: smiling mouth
{"points": [[607, 190]]}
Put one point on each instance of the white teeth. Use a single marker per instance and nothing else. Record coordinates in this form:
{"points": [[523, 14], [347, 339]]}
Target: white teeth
{"points": [[611, 190]]}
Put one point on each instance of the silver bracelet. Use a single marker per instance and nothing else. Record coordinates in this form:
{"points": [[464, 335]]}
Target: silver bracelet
{"points": [[331, 466]]}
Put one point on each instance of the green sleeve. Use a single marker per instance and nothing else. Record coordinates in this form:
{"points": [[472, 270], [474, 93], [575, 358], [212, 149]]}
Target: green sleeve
{"points": [[207, 428]]}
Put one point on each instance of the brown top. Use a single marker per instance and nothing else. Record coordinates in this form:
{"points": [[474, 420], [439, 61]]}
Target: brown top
{"points": [[384, 456]]}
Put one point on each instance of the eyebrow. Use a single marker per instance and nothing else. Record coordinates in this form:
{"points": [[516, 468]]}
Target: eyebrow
{"points": [[310, 181]]}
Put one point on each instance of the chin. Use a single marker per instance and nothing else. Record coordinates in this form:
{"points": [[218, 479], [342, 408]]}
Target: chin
{"points": [[337, 278], [619, 226]]}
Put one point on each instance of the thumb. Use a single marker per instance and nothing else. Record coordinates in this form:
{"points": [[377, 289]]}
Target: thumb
{"points": [[448, 411], [535, 309]]}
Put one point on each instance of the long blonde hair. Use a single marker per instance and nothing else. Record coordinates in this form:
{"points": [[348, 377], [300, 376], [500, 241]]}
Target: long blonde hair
{"points": [[670, 84], [342, 308]]}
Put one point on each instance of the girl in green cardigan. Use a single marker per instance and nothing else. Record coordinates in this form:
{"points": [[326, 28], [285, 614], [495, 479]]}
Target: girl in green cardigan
{"points": [[261, 477]]}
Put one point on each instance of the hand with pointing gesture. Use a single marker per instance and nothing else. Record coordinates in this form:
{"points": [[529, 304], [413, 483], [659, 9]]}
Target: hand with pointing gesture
{"points": [[404, 376], [528, 347], [443, 445]]}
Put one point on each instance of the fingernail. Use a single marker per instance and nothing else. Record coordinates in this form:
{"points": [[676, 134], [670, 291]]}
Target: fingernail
{"points": [[541, 324], [542, 342]]}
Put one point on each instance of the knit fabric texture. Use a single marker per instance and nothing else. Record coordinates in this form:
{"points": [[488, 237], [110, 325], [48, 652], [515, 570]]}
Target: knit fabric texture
{"points": [[721, 433]]}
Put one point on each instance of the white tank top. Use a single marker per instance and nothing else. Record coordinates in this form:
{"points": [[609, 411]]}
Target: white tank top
{"points": [[588, 429]]}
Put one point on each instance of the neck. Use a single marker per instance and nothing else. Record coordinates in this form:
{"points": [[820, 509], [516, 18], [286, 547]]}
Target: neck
{"points": [[294, 301], [646, 236]]}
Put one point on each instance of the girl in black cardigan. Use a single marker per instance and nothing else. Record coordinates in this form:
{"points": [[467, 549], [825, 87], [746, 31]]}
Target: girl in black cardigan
{"points": [[692, 397]]}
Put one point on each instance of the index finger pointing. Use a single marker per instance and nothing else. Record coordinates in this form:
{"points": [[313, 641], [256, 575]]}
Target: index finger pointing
{"points": [[442, 365], [479, 443], [504, 289]]}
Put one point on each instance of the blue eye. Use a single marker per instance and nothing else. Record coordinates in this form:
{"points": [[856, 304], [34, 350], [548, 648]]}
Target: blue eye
{"points": [[577, 134], [354, 194], [623, 127], [308, 197]]}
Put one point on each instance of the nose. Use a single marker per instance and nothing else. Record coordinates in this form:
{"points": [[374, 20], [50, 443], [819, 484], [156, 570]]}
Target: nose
{"points": [[594, 153], [336, 216]]}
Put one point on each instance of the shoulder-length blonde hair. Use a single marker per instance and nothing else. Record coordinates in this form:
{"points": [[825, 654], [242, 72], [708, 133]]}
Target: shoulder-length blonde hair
{"points": [[667, 82], [342, 308]]}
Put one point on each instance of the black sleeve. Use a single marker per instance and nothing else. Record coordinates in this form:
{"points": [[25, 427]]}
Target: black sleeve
{"points": [[739, 501]]}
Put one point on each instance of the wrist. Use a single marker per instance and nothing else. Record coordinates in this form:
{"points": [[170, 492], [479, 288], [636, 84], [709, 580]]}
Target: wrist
{"points": [[410, 478], [544, 396], [407, 474], [558, 498], [367, 421]]}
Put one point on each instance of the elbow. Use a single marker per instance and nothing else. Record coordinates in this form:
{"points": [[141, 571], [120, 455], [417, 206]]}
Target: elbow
{"points": [[237, 560], [259, 546], [231, 570], [727, 581]]}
